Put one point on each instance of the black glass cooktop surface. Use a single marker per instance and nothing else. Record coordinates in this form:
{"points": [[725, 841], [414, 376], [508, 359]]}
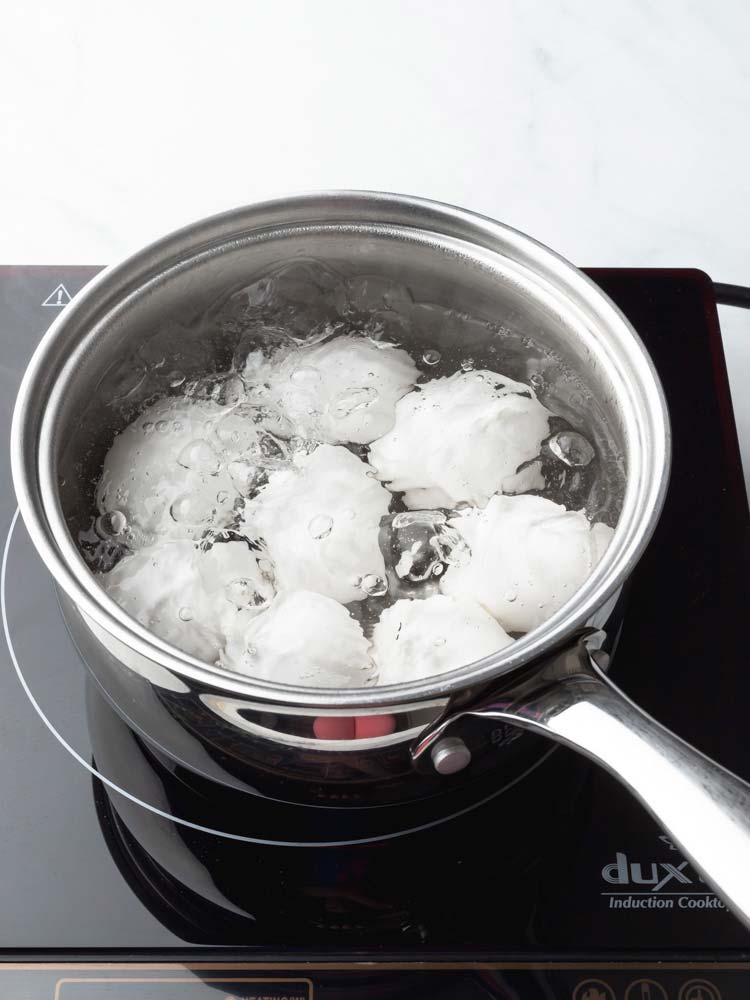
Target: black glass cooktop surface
{"points": [[559, 886]]}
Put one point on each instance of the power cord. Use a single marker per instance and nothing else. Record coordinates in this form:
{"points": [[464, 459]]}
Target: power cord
{"points": [[732, 295]]}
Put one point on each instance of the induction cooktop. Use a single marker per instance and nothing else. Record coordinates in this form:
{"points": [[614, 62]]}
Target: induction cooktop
{"points": [[122, 880]]}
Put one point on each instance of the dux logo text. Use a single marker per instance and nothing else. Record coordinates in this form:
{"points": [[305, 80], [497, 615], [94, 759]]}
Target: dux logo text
{"points": [[655, 885]]}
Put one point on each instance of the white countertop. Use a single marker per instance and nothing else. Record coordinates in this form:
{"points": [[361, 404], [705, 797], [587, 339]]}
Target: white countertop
{"points": [[615, 133]]}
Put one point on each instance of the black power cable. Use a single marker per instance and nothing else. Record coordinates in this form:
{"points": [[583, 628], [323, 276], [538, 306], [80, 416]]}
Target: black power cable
{"points": [[732, 295]]}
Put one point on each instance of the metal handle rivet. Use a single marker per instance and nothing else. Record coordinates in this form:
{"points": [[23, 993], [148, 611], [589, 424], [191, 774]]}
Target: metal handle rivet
{"points": [[450, 755]]}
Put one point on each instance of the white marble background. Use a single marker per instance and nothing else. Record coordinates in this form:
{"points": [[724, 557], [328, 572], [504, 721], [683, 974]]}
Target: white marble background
{"points": [[618, 133]]}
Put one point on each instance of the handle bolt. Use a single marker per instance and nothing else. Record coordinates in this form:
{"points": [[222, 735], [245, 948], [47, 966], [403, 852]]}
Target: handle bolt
{"points": [[450, 755]]}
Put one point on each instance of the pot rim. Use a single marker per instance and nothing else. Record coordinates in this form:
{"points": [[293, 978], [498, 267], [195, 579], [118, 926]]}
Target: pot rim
{"points": [[644, 414]]}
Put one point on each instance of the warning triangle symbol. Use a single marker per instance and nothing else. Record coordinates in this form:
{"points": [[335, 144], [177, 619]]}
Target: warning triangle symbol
{"points": [[58, 298]]}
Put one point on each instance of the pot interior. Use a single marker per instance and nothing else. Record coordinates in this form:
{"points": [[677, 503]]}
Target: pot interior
{"points": [[464, 305], [466, 286]]}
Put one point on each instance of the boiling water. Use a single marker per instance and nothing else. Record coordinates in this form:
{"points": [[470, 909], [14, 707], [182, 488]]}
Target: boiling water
{"points": [[208, 388]]}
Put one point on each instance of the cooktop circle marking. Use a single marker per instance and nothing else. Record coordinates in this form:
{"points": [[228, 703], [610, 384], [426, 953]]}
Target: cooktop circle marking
{"points": [[187, 823]]}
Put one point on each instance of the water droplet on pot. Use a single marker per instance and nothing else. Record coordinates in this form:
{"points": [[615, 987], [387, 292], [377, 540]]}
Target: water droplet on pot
{"points": [[185, 614]]}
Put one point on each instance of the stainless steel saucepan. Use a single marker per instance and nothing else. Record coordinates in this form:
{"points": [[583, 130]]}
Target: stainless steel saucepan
{"points": [[449, 729]]}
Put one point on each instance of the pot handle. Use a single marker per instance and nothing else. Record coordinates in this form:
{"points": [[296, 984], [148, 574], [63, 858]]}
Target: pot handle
{"points": [[704, 807]]}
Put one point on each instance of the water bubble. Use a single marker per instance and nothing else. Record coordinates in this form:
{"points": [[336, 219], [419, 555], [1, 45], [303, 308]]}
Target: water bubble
{"points": [[370, 292], [243, 475], [351, 400], [199, 456], [176, 426], [296, 286], [176, 379], [301, 446], [244, 593], [510, 596], [185, 614], [112, 523], [126, 383], [233, 390], [270, 452], [431, 357], [266, 567], [571, 448], [211, 387], [456, 551], [467, 365], [320, 526], [373, 586], [305, 375], [412, 518], [148, 426], [258, 414], [162, 426], [192, 509], [420, 545], [260, 293], [237, 430]]}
